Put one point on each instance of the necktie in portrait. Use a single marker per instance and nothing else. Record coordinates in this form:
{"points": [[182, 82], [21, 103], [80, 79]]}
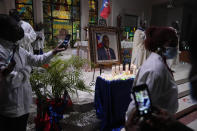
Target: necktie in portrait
{"points": [[108, 54]]}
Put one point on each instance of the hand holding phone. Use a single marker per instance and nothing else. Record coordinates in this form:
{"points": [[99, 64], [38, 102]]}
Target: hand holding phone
{"points": [[66, 41], [142, 100]]}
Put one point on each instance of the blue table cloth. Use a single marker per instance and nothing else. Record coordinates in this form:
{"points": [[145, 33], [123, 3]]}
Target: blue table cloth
{"points": [[111, 102]]}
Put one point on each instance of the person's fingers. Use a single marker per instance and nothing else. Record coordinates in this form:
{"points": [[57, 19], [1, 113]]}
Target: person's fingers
{"points": [[156, 109], [58, 46], [160, 111], [133, 118], [61, 49], [158, 119], [66, 46], [132, 114], [132, 124], [56, 50]]}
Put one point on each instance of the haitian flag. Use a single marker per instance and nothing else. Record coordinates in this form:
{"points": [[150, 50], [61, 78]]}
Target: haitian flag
{"points": [[105, 10]]}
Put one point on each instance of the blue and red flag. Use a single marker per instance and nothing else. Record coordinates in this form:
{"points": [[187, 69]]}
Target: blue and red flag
{"points": [[99, 42], [105, 10]]}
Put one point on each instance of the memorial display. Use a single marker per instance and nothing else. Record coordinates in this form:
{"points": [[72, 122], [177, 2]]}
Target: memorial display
{"points": [[104, 45]]}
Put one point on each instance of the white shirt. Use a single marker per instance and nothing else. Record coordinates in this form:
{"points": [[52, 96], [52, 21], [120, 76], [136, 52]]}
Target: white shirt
{"points": [[39, 44], [139, 53], [29, 36], [107, 52], [15, 89], [161, 84]]}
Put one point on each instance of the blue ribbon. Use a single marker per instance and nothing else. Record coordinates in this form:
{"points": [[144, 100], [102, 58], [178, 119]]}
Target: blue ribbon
{"points": [[56, 114]]}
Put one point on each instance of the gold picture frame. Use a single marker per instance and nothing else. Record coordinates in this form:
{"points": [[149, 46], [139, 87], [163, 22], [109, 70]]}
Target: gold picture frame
{"points": [[99, 54]]}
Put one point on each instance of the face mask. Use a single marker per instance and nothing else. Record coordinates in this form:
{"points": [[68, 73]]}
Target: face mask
{"points": [[170, 52]]}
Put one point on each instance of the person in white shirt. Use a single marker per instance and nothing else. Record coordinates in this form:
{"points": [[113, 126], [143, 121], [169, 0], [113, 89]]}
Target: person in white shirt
{"points": [[15, 69], [162, 42], [160, 119], [38, 44], [29, 33], [139, 53]]}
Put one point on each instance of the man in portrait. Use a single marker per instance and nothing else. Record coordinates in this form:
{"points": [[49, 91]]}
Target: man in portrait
{"points": [[105, 52]]}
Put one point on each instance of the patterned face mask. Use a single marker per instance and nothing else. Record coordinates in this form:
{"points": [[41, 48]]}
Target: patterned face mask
{"points": [[170, 52]]}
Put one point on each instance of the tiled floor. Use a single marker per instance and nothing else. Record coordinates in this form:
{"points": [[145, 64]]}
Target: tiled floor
{"points": [[185, 102], [193, 125], [181, 72], [189, 118]]}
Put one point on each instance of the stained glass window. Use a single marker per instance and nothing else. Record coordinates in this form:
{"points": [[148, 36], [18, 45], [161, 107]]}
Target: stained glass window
{"points": [[25, 9], [93, 12], [64, 15]]}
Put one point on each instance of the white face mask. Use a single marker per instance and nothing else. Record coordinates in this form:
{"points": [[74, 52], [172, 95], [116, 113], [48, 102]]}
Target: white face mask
{"points": [[170, 52]]}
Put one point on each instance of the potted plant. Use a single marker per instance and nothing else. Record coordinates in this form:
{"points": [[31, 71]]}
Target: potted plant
{"points": [[51, 86]]}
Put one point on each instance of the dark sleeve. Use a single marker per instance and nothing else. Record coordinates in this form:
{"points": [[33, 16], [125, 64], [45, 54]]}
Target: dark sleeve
{"points": [[113, 56], [99, 54]]}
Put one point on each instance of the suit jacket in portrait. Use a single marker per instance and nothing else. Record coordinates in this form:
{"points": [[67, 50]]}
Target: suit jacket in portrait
{"points": [[102, 54]]}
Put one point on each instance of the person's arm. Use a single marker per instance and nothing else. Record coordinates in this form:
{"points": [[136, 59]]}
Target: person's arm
{"points": [[6, 70], [152, 80], [43, 37], [113, 56], [162, 89], [38, 60]]}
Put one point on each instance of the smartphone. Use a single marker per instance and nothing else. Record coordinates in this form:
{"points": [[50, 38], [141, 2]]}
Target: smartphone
{"points": [[142, 99], [66, 41]]}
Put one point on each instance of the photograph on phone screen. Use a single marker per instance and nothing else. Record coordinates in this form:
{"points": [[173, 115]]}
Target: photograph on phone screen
{"points": [[143, 101]]}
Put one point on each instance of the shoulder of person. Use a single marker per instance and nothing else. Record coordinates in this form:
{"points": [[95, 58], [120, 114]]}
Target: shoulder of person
{"points": [[25, 24], [154, 64]]}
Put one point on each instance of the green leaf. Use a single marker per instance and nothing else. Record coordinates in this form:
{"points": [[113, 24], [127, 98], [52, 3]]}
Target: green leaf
{"points": [[60, 76]]}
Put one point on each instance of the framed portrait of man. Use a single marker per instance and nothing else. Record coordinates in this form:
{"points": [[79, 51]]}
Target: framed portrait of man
{"points": [[104, 45]]}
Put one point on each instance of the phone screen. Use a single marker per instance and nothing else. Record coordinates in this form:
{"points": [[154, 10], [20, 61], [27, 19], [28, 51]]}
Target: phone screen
{"points": [[66, 41], [142, 100]]}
